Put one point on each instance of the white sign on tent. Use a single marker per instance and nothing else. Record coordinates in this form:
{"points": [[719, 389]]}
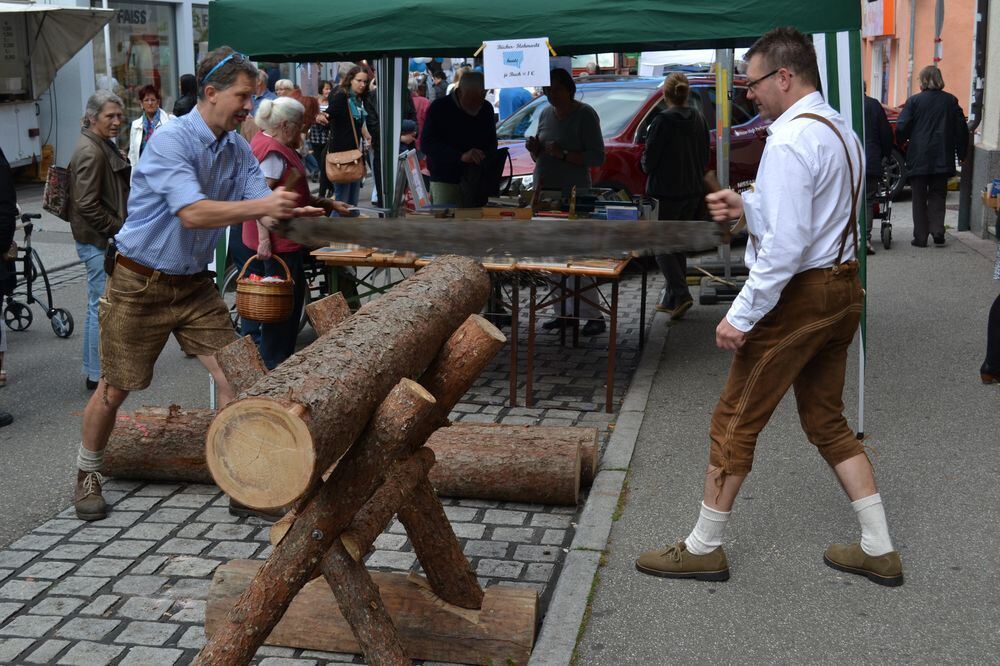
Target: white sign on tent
{"points": [[516, 63]]}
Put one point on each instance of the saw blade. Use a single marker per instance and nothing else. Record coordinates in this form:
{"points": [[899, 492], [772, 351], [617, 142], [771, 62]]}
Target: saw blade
{"points": [[512, 238]]}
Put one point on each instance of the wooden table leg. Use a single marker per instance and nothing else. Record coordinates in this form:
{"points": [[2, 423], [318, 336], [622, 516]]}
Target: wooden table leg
{"points": [[562, 311], [514, 323], [529, 381], [612, 348], [576, 311]]}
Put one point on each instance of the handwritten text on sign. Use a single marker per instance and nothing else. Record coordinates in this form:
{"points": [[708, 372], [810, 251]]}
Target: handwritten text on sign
{"points": [[516, 63]]}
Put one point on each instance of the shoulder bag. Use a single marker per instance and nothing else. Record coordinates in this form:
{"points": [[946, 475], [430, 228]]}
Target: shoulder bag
{"points": [[55, 197], [346, 166]]}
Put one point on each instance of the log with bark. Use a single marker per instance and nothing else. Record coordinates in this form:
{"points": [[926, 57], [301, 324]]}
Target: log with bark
{"points": [[241, 363], [267, 449], [427, 627], [327, 312], [159, 444]]}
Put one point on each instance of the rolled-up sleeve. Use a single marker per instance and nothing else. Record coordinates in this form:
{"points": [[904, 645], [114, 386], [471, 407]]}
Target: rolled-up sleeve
{"points": [[255, 187], [783, 213], [170, 173]]}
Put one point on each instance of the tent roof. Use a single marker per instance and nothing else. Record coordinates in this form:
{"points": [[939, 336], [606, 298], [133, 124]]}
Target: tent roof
{"points": [[311, 30]]}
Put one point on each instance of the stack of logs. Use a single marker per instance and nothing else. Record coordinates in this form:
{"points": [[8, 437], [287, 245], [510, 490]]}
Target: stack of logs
{"points": [[340, 436]]}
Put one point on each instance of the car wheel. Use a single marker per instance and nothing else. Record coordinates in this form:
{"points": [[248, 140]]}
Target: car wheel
{"points": [[895, 173]]}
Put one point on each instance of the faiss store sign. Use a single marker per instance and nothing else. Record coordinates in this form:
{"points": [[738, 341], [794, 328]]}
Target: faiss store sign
{"points": [[131, 17]]}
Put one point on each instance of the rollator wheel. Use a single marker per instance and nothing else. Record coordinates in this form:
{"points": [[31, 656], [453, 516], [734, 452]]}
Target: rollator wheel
{"points": [[887, 236], [17, 316], [62, 323]]}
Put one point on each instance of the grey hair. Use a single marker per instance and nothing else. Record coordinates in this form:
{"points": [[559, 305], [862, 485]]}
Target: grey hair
{"points": [[472, 80], [97, 102], [262, 76], [272, 112], [284, 83], [931, 79], [413, 85]]}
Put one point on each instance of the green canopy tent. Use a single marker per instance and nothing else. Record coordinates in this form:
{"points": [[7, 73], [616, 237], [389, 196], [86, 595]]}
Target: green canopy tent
{"points": [[387, 32]]}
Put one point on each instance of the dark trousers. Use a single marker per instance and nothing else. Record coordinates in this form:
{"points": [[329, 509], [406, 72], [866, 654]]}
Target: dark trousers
{"points": [[325, 186], [929, 194], [992, 363], [277, 341], [240, 253], [674, 265], [871, 188]]}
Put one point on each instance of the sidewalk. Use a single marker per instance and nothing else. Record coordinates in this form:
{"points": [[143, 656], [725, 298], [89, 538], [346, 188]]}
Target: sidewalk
{"points": [[933, 426]]}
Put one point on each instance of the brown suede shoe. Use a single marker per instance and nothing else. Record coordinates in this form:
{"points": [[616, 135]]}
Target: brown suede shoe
{"points": [[884, 569], [88, 500], [676, 562]]}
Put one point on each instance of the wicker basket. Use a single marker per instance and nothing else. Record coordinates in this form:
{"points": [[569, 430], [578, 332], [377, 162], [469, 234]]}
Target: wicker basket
{"points": [[266, 302]]}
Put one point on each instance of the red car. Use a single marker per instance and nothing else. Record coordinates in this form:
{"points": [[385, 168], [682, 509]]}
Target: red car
{"points": [[625, 105]]}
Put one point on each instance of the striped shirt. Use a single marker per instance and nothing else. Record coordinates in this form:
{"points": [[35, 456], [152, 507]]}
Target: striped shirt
{"points": [[182, 164]]}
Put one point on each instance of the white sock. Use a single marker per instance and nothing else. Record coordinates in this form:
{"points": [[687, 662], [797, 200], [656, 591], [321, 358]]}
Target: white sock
{"points": [[875, 539], [89, 461], [708, 531]]}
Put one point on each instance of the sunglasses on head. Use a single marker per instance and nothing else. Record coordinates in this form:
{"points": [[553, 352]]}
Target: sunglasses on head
{"points": [[234, 56]]}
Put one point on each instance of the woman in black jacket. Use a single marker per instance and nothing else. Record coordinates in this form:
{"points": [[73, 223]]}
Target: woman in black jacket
{"points": [[675, 158], [932, 121], [348, 129]]}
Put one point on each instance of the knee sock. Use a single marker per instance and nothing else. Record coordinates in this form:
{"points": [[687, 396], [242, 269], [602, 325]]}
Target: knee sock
{"points": [[708, 531], [875, 539], [89, 461]]}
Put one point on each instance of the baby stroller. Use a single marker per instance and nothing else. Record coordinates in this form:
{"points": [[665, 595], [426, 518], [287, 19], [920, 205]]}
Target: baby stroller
{"points": [[882, 210], [29, 267]]}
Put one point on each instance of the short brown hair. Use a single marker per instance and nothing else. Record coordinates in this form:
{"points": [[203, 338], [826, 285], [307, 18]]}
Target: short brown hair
{"points": [[788, 48], [931, 79], [150, 89], [224, 76], [676, 88]]}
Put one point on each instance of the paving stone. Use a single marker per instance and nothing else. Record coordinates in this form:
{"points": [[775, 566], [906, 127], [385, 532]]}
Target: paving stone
{"points": [[468, 530], [49, 570], [149, 531], [144, 656], [396, 527], [71, 551], [189, 611], [266, 553], [467, 408], [96, 534], [554, 537], [32, 626], [121, 484], [486, 548], [527, 553], [229, 532], [460, 514], [477, 418], [193, 638], [189, 588], [82, 628], [519, 534], [126, 548], [390, 541], [478, 503], [56, 606], [284, 661], [537, 587], [175, 516], [183, 546], [557, 423], [120, 519], [499, 568], [10, 648], [149, 564], [147, 633], [504, 517], [137, 503], [145, 608], [187, 501], [192, 531], [391, 559], [263, 535], [15, 559], [5, 573], [183, 565], [59, 526], [7, 609], [86, 653], [157, 490], [234, 550], [80, 586], [46, 653], [539, 572], [24, 589], [139, 585], [103, 566], [340, 657], [274, 651], [550, 520], [100, 605], [36, 542], [217, 515], [518, 420]]}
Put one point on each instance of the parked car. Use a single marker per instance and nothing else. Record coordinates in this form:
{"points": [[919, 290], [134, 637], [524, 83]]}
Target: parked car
{"points": [[625, 105]]}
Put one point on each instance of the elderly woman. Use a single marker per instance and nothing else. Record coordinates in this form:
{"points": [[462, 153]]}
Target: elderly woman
{"points": [[568, 144], [276, 148], [348, 128], [932, 121], [98, 194], [143, 127]]}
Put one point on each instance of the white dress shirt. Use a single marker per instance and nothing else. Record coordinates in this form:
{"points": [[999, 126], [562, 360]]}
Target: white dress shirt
{"points": [[800, 206]]}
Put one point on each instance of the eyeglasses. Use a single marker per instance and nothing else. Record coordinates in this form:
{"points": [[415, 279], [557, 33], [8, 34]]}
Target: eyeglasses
{"points": [[752, 84], [364, 81], [235, 57]]}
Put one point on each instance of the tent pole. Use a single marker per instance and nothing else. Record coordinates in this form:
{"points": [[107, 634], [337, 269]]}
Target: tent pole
{"points": [[723, 121]]}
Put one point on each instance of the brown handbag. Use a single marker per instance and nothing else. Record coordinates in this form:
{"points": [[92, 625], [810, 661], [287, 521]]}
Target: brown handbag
{"points": [[346, 166]]}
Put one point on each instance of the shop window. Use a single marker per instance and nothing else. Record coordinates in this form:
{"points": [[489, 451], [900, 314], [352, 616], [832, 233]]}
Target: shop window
{"points": [[199, 18]]}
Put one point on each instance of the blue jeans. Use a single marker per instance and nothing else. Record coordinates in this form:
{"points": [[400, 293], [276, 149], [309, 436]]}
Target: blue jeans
{"points": [[349, 193], [93, 257]]}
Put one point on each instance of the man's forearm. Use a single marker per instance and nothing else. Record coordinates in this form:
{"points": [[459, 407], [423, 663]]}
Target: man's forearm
{"points": [[208, 214]]}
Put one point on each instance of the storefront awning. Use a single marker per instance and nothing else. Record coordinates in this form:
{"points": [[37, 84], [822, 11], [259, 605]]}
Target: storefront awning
{"points": [[53, 35]]}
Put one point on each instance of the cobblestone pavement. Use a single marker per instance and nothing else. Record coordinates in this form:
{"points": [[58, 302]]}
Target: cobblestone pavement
{"points": [[131, 589]]}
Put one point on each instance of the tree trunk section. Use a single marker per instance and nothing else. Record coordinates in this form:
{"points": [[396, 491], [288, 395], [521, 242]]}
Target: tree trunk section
{"points": [[325, 394], [241, 363], [428, 628], [508, 463], [379, 510], [159, 444], [327, 312], [589, 456]]}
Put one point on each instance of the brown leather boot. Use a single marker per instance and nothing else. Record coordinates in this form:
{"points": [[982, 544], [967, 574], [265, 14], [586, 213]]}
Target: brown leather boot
{"points": [[882, 569], [88, 500]]}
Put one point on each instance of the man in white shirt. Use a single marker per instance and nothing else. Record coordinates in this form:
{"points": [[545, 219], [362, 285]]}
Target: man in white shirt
{"points": [[793, 321]]}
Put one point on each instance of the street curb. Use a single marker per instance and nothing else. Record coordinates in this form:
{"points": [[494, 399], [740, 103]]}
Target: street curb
{"points": [[564, 617]]}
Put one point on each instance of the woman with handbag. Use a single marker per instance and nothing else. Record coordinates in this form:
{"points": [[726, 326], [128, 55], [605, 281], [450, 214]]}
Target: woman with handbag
{"points": [[345, 163], [99, 178], [276, 148]]}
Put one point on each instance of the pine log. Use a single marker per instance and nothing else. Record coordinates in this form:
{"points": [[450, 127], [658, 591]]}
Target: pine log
{"points": [[327, 312], [361, 605], [322, 397], [242, 364], [428, 628], [159, 444], [379, 510], [448, 571], [589, 456], [508, 463]]}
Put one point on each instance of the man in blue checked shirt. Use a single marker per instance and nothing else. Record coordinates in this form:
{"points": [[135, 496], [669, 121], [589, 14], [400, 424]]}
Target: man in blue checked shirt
{"points": [[197, 175]]}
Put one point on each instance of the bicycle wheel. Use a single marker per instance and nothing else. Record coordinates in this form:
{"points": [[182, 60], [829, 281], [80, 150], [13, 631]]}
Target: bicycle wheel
{"points": [[229, 295]]}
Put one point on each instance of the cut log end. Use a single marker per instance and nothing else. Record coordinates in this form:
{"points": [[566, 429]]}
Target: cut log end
{"points": [[488, 328], [260, 452], [419, 391]]}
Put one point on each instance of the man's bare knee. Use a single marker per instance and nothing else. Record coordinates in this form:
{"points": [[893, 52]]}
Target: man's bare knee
{"points": [[111, 397]]}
